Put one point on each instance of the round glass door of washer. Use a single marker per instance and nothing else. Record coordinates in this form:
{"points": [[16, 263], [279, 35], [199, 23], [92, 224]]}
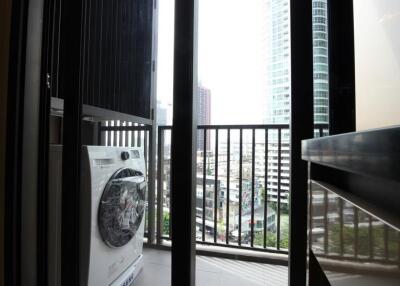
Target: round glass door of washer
{"points": [[122, 207]]}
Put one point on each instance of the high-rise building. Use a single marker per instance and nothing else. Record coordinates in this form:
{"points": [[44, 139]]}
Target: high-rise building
{"points": [[203, 114], [162, 113], [320, 53], [279, 84]]}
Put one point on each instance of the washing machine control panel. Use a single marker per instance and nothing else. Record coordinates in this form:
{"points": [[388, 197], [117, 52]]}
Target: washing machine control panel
{"points": [[124, 155]]}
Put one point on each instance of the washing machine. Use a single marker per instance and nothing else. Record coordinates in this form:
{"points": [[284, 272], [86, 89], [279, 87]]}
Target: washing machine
{"points": [[112, 211]]}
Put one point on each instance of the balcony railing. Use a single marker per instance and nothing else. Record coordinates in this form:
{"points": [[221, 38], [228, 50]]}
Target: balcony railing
{"points": [[341, 231], [243, 174], [240, 194]]}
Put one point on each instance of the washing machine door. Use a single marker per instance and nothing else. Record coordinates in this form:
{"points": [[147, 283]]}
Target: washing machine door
{"points": [[122, 206]]}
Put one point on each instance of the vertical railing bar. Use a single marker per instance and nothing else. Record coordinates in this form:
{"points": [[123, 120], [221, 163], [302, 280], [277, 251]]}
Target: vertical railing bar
{"points": [[118, 133], [102, 134], [111, 133], [115, 143], [203, 234], [169, 188], [386, 242], [341, 232], [130, 136], [97, 129], [228, 167], [216, 186], [160, 180], [133, 137], [325, 222], [240, 184], [310, 214], [106, 135], [398, 249], [149, 138], [278, 232], [109, 143], [265, 187], [121, 144], [139, 139], [253, 148], [124, 131], [127, 134], [146, 225], [115, 139], [355, 222], [145, 143], [371, 238], [151, 173]]}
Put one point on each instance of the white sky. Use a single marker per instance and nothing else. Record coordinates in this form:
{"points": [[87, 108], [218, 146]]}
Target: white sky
{"points": [[231, 58]]}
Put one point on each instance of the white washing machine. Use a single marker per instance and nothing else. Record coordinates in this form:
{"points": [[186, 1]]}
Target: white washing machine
{"points": [[112, 215]]}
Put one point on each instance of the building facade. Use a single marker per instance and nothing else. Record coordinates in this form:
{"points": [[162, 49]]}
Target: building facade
{"points": [[162, 114], [203, 114], [320, 62], [279, 85]]}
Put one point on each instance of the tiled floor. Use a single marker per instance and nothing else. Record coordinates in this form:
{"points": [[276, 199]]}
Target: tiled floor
{"points": [[211, 271]]}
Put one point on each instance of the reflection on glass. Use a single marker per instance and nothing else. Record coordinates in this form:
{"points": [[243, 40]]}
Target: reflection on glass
{"points": [[318, 222], [333, 225], [348, 229], [347, 240], [364, 234]]}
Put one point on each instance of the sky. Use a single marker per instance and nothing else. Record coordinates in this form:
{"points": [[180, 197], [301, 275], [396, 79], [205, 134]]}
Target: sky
{"points": [[232, 57]]}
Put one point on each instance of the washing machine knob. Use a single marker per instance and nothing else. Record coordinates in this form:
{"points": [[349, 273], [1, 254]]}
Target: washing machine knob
{"points": [[124, 155]]}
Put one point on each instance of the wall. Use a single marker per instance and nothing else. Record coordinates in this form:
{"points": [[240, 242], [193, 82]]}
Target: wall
{"points": [[377, 57]]}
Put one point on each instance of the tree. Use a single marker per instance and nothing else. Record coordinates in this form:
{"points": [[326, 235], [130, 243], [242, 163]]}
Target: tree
{"points": [[166, 223]]}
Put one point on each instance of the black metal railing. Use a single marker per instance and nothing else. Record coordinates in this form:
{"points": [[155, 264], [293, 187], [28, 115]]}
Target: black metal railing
{"points": [[243, 174], [120, 133], [255, 157], [265, 150], [341, 231]]}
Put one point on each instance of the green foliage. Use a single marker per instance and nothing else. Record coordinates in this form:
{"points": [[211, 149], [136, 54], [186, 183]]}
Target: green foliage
{"points": [[271, 236], [363, 240], [166, 223], [262, 194]]}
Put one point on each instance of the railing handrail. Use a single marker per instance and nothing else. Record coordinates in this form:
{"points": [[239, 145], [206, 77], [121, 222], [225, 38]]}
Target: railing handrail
{"points": [[245, 126]]}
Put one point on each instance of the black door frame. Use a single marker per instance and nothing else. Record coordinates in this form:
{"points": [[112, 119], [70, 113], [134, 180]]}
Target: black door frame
{"points": [[183, 150], [183, 112], [341, 108], [301, 127], [342, 93], [14, 138]]}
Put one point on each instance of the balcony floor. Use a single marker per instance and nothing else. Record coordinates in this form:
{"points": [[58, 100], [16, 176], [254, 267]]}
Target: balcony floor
{"points": [[211, 271]]}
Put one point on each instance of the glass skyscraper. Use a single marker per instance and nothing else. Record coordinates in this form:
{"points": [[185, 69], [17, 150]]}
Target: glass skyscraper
{"points": [[320, 50], [278, 97], [279, 83]]}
